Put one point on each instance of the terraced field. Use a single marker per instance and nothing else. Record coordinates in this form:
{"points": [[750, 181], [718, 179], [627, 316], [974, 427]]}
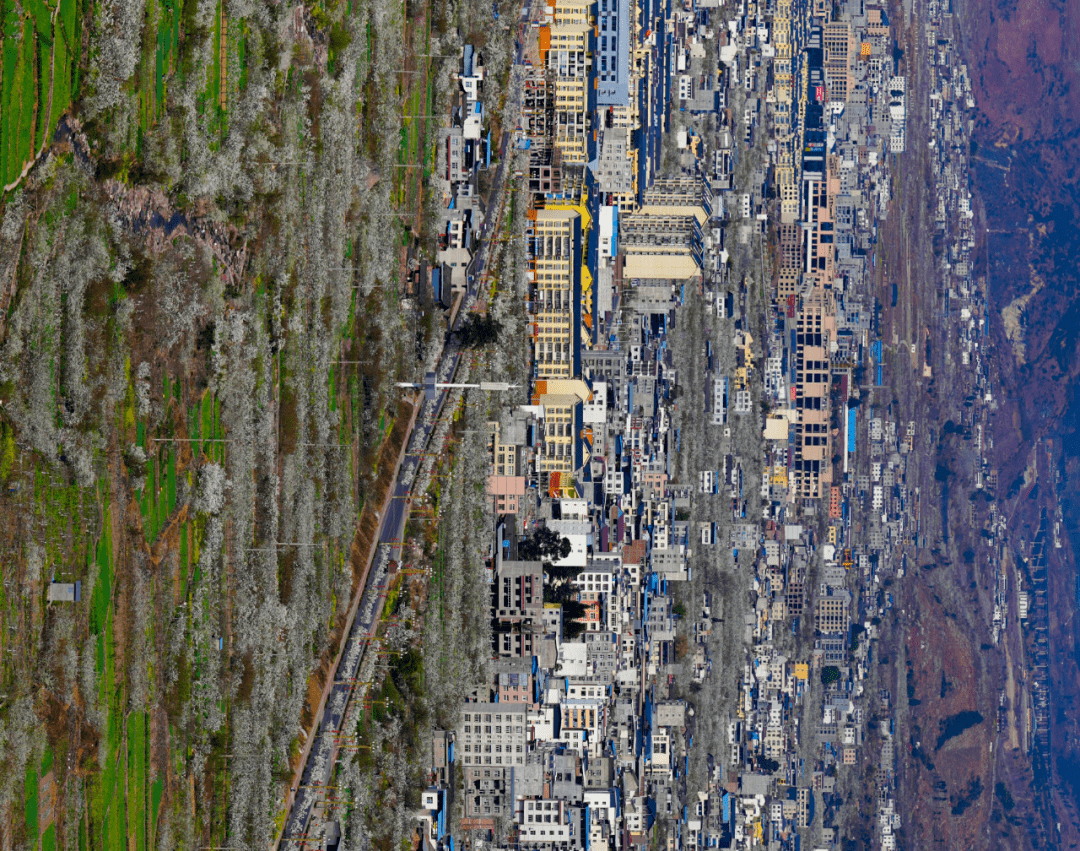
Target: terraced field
{"points": [[41, 55]]}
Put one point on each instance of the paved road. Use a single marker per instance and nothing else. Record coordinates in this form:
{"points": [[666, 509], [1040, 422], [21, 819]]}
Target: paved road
{"points": [[322, 753], [322, 748]]}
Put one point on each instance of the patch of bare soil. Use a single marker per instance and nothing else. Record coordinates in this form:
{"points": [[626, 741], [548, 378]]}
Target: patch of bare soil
{"points": [[951, 731]]}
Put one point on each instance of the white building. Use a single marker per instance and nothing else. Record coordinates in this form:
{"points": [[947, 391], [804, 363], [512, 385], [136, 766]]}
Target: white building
{"points": [[544, 821]]}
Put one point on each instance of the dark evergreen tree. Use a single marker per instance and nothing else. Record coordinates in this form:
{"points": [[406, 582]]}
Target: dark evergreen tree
{"points": [[477, 331], [543, 544]]}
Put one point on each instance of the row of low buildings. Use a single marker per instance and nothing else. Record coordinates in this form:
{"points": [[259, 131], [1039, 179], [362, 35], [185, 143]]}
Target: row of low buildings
{"points": [[465, 150]]}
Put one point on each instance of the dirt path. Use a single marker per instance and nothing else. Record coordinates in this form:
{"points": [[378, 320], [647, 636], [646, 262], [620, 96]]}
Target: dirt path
{"points": [[223, 76]]}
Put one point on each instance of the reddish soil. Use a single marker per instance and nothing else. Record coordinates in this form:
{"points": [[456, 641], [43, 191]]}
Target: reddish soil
{"points": [[1024, 57], [947, 674], [1026, 54]]}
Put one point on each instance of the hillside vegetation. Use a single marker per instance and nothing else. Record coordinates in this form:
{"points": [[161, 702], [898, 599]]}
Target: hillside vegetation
{"points": [[205, 306]]}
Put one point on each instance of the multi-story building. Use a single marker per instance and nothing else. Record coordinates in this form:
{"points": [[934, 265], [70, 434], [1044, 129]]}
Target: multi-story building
{"points": [[661, 246], [582, 724], [820, 188], [838, 41], [544, 822], [537, 110], [519, 592], [663, 239], [613, 53], [572, 12], [614, 169], [559, 454], [545, 171], [783, 105], [816, 327], [487, 793], [790, 263], [691, 196], [492, 734], [456, 165], [605, 365], [515, 684], [832, 613], [519, 641], [506, 483], [556, 258], [568, 59]]}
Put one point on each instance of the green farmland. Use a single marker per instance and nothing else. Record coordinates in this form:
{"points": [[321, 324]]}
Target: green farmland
{"points": [[41, 52]]}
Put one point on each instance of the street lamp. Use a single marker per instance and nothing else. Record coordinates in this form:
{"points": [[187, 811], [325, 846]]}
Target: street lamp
{"points": [[430, 386], [276, 544]]}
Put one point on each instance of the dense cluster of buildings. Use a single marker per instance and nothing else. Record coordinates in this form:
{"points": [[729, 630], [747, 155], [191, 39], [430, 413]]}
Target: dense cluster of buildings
{"points": [[776, 118]]}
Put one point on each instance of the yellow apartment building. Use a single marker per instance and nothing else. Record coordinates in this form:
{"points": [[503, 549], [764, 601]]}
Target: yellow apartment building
{"points": [[556, 259], [568, 61], [572, 12], [560, 402]]}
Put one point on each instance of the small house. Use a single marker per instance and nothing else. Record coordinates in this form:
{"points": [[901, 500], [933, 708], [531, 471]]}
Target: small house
{"points": [[65, 592]]}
